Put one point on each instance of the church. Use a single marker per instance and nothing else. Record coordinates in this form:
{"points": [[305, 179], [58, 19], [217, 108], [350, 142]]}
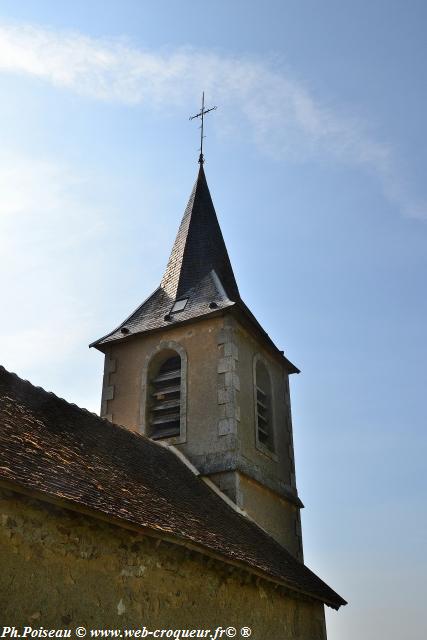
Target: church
{"points": [[177, 508]]}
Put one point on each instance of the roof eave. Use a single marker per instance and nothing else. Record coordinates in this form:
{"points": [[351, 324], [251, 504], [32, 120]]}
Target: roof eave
{"points": [[238, 308], [241, 308], [211, 314], [96, 343]]}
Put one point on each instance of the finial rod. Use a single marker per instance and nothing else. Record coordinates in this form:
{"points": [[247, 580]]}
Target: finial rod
{"points": [[201, 115]]}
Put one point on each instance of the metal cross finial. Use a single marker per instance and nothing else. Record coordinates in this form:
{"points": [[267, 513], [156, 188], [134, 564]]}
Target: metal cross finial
{"points": [[201, 115]]}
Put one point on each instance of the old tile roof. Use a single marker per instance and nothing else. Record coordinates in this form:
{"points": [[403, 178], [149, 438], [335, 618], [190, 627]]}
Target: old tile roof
{"points": [[56, 450], [198, 270]]}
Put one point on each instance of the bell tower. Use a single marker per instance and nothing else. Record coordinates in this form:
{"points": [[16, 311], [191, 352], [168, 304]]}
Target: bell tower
{"points": [[193, 368]]}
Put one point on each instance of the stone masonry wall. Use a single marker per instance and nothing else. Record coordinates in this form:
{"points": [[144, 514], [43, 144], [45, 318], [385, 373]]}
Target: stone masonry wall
{"points": [[64, 569]]}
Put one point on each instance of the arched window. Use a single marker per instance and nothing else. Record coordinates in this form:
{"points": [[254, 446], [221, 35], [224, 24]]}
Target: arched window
{"points": [[263, 406], [164, 402]]}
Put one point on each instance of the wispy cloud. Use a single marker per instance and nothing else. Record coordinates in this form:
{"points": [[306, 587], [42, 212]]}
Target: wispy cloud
{"points": [[280, 114]]}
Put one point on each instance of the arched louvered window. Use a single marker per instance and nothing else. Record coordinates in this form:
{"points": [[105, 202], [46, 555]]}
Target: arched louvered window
{"points": [[263, 409], [165, 398]]}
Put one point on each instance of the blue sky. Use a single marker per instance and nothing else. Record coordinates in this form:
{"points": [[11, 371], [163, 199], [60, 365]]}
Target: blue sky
{"points": [[316, 162]]}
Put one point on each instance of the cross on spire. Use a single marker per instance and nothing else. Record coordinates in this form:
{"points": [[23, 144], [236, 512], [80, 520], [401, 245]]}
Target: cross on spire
{"points": [[201, 115]]}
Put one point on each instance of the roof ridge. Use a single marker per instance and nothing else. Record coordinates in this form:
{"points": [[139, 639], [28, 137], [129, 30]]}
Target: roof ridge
{"points": [[52, 394]]}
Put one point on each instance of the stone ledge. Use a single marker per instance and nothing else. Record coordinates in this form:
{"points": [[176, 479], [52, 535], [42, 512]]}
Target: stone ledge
{"points": [[231, 461]]}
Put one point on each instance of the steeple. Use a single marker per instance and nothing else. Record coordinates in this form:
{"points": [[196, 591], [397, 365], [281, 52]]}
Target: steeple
{"points": [[199, 248], [192, 367]]}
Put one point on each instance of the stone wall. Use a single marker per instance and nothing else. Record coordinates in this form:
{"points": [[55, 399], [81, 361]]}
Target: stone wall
{"points": [[267, 490], [280, 518], [61, 568]]}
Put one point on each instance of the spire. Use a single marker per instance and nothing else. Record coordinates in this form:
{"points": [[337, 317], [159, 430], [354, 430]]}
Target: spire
{"points": [[198, 274], [199, 247]]}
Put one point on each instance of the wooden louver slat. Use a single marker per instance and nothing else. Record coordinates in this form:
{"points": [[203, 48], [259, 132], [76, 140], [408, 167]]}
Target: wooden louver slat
{"points": [[263, 417], [166, 400]]}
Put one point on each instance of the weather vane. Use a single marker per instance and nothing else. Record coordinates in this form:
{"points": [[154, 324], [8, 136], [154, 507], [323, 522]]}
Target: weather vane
{"points": [[201, 115]]}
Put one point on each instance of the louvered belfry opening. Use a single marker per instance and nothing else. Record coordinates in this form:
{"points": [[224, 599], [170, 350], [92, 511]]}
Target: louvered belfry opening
{"points": [[165, 400], [263, 406]]}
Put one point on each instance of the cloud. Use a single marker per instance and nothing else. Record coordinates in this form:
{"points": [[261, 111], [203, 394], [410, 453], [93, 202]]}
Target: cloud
{"points": [[280, 114]]}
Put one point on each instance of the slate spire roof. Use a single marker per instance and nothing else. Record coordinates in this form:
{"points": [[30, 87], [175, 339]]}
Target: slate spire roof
{"points": [[199, 247]]}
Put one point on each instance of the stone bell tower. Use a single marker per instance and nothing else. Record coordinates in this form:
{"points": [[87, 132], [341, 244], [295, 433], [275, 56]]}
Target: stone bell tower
{"points": [[193, 368]]}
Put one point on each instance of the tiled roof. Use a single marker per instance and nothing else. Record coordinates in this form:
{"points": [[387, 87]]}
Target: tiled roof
{"points": [[60, 451], [198, 270]]}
